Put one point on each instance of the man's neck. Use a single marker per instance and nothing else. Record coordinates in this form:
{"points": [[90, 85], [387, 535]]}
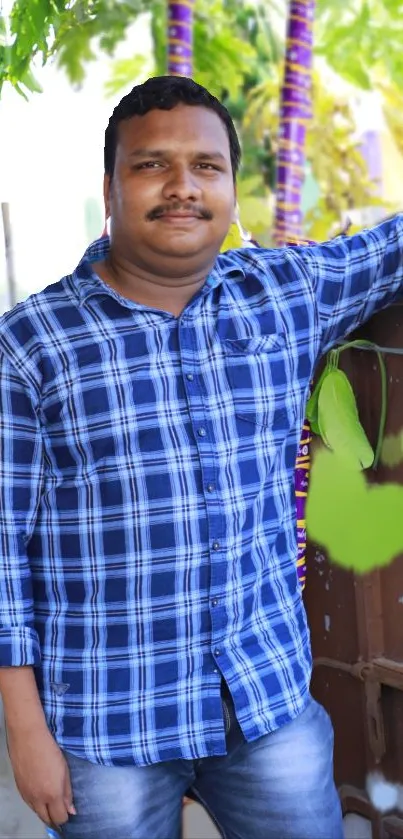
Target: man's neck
{"points": [[171, 295]]}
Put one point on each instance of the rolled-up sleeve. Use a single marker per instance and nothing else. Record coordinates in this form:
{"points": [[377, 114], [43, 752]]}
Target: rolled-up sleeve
{"points": [[21, 478], [355, 276]]}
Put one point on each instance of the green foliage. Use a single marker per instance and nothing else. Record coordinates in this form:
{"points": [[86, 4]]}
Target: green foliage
{"points": [[238, 55], [215, 39], [358, 524], [361, 39], [332, 150], [67, 30], [312, 408], [256, 209], [333, 413], [256, 214], [392, 108], [232, 240], [339, 423], [134, 68]]}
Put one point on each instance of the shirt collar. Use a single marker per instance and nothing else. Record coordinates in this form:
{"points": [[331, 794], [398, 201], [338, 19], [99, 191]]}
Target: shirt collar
{"points": [[86, 283]]}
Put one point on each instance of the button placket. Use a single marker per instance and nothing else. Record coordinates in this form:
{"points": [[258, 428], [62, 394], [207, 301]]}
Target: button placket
{"points": [[204, 438]]}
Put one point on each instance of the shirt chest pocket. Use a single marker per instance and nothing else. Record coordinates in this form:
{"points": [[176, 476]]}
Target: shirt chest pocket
{"points": [[257, 373]]}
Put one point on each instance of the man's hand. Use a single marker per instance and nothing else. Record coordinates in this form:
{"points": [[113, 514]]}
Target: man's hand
{"points": [[41, 774], [40, 769]]}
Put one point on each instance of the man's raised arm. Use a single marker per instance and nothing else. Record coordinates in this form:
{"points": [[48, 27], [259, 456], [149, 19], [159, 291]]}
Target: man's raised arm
{"points": [[354, 276]]}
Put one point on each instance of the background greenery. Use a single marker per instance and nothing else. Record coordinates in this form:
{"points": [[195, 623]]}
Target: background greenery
{"points": [[246, 43]]}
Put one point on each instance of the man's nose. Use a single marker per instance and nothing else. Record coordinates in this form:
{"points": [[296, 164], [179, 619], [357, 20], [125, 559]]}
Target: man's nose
{"points": [[181, 184]]}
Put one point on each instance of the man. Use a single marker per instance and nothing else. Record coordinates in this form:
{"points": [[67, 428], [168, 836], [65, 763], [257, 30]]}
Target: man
{"points": [[153, 638]]}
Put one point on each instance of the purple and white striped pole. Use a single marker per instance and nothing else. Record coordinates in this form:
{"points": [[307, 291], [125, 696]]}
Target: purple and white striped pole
{"points": [[180, 37], [295, 113]]}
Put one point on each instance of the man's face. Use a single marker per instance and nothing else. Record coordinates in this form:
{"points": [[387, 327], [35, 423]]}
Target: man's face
{"points": [[171, 198]]}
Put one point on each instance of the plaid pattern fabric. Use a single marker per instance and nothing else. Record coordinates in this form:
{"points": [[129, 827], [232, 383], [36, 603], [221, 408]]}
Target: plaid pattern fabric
{"points": [[147, 506]]}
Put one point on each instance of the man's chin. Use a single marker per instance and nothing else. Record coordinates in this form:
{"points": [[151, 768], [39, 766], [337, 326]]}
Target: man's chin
{"points": [[182, 247]]}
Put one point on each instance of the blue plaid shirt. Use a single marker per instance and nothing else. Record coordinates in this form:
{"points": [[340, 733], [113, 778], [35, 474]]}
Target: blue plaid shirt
{"points": [[147, 509]]}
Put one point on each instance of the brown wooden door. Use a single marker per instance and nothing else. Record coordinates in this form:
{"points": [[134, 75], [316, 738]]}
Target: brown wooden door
{"points": [[357, 621]]}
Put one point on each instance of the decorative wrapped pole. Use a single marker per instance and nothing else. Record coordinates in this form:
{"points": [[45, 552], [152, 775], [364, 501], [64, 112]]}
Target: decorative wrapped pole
{"points": [[295, 113], [180, 37]]}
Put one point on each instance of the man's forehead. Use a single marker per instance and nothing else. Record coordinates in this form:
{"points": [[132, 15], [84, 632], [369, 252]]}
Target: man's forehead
{"points": [[185, 122], [205, 153]]}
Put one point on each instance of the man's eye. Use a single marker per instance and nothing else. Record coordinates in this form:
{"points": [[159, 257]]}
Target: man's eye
{"points": [[148, 164], [207, 166]]}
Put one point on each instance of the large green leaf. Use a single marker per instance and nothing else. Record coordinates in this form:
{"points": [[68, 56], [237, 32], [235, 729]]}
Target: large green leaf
{"points": [[339, 423], [311, 411], [359, 525]]}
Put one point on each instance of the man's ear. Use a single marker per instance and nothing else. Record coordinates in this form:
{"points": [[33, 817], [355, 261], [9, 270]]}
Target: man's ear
{"points": [[107, 196]]}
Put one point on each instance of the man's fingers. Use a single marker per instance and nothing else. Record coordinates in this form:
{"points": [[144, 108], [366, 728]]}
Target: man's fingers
{"points": [[41, 811], [68, 795], [57, 811]]}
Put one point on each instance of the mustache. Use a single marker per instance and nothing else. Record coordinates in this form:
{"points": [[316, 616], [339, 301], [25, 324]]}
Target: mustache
{"points": [[165, 209]]}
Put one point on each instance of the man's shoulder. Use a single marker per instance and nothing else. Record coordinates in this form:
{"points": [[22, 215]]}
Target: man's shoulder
{"points": [[36, 321], [49, 298], [272, 268]]}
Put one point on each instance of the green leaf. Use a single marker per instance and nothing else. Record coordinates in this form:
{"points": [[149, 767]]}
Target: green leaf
{"points": [[359, 525], [255, 214], [339, 423], [247, 186], [3, 31], [311, 412], [357, 75], [232, 240], [30, 82], [127, 71], [364, 344]]}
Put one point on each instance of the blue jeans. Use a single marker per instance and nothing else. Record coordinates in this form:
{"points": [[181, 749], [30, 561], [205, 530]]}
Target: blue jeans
{"points": [[278, 787]]}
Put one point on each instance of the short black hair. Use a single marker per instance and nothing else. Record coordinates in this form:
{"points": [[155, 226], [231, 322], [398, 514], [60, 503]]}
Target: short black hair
{"points": [[164, 93]]}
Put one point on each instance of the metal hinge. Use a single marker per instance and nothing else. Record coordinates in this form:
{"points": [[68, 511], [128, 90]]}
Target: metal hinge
{"points": [[374, 717], [374, 674]]}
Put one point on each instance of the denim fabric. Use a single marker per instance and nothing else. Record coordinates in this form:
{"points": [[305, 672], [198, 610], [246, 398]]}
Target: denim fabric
{"points": [[278, 787]]}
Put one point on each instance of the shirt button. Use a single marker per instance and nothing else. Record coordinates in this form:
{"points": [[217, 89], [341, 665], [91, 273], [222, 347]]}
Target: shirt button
{"points": [[202, 432], [216, 546], [190, 377], [210, 487], [217, 653], [216, 671], [214, 601]]}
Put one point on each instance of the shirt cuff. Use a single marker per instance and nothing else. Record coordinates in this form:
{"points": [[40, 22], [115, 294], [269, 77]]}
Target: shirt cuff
{"points": [[19, 647]]}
